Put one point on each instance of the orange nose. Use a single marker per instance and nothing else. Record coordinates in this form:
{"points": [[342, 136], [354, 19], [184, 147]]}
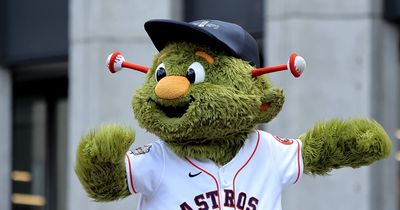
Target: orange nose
{"points": [[172, 87]]}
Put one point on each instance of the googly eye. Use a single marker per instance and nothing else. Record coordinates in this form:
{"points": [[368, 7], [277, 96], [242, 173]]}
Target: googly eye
{"points": [[160, 72], [195, 73]]}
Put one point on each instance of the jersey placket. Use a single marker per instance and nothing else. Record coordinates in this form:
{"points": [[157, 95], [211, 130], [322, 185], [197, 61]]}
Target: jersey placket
{"points": [[226, 193], [225, 176], [229, 172], [211, 170]]}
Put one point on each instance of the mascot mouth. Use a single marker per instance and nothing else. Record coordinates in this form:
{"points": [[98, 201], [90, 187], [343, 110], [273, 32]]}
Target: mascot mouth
{"points": [[174, 111]]}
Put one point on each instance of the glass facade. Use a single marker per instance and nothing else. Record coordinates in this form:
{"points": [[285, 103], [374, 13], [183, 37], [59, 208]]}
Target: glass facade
{"points": [[34, 47], [39, 142]]}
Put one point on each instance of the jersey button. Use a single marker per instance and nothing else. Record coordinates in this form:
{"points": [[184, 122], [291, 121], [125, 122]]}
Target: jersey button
{"points": [[224, 181]]}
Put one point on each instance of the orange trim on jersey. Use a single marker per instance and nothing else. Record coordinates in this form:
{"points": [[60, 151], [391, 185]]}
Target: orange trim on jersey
{"points": [[298, 162], [289, 142], [234, 178], [130, 175], [212, 176]]}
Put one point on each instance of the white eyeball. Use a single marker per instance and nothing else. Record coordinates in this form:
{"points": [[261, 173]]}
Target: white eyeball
{"points": [[160, 72], [195, 73]]}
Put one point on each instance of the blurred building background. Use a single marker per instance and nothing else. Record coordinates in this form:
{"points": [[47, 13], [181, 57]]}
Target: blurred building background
{"points": [[54, 87]]}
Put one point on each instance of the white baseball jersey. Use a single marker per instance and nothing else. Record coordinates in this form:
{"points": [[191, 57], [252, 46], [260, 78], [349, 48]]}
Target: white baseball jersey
{"points": [[252, 180]]}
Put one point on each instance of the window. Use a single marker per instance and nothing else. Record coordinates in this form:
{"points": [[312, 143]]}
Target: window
{"points": [[391, 10], [33, 31], [34, 47], [39, 138]]}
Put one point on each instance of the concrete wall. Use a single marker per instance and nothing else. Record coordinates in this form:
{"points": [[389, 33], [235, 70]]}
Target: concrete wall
{"points": [[385, 104], [96, 96], [5, 138], [338, 40]]}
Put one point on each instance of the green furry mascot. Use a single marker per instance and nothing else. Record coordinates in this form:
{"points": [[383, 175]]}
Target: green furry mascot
{"points": [[204, 97]]}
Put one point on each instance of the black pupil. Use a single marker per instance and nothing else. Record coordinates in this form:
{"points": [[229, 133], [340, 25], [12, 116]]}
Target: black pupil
{"points": [[161, 73], [191, 75]]}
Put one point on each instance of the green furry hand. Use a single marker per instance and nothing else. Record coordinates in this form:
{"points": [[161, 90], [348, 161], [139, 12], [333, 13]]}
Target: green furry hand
{"points": [[100, 162], [337, 143]]}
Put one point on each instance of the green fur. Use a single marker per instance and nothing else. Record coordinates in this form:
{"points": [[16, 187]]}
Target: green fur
{"points": [[100, 163], [220, 151], [343, 143], [226, 105]]}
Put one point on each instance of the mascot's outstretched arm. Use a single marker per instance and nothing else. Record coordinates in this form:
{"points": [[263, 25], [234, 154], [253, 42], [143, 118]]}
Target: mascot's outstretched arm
{"points": [[343, 143], [100, 162]]}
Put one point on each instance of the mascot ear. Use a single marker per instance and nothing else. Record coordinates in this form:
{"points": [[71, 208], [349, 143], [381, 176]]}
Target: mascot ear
{"points": [[271, 104]]}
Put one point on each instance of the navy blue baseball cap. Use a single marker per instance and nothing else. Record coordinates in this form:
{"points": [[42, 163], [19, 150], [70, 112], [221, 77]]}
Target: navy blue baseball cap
{"points": [[227, 36]]}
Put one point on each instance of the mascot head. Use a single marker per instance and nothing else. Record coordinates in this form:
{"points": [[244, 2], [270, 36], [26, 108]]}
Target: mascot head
{"points": [[203, 93]]}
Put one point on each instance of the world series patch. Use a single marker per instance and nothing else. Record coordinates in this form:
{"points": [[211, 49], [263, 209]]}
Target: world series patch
{"points": [[142, 150], [285, 141]]}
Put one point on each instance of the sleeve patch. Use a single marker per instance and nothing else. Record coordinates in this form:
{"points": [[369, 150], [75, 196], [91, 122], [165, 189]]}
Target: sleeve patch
{"points": [[284, 141], [142, 150]]}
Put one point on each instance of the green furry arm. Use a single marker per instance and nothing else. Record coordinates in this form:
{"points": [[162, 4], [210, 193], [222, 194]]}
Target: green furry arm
{"points": [[343, 143], [100, 162]]}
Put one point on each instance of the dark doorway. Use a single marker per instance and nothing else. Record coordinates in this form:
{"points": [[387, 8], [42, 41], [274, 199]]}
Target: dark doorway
{"points": [[39, 137]]}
